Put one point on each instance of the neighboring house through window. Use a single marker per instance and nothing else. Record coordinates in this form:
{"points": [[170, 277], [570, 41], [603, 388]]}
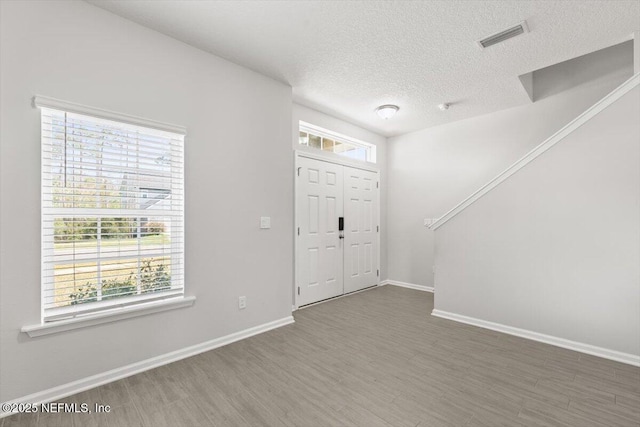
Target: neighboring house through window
{"points": [[112, 214]]}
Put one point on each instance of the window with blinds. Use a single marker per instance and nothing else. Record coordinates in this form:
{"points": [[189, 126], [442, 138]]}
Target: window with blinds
{"points": [[112, 214]]}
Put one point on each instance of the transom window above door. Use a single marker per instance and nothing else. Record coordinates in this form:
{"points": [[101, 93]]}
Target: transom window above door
{"points": [[325, 140]]}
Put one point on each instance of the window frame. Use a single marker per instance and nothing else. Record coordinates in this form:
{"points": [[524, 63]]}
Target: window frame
{"points": [[95, 312], [370, 149]]}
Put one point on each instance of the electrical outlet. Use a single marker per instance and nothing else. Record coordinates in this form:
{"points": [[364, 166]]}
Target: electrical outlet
{"points": [[242, 302]]}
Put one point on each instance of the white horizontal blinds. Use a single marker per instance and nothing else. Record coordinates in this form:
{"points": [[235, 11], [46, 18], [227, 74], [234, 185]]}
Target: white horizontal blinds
{"points": [[112, 213]]}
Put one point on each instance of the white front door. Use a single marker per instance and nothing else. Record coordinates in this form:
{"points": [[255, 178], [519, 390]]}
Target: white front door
{"points": [[326, 264], [319, 257], [360, 229]]}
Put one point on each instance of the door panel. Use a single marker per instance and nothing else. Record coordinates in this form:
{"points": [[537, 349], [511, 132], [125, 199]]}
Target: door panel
{"points": [[361, 229], [319, 258], [314, 214], [355, 269], [327, 266]]}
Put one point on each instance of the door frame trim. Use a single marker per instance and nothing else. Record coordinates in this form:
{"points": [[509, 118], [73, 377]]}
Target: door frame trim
{"points": [[337, 160], [371, 167]]}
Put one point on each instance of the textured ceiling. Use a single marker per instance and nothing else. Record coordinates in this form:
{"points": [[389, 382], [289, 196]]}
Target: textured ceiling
{"points": [[346, 58]]}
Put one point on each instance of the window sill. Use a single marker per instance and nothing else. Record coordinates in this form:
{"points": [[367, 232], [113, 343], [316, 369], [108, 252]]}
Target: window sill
{"points": [[107, 316]]}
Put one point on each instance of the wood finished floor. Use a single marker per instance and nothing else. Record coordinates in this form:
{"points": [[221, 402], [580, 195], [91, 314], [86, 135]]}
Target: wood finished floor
{"points": [[376, 358]]}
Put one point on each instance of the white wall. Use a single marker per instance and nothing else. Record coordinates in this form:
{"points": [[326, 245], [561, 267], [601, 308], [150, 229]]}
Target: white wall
{"points": [[555, 248], [636, 52], [317, 118], [238, 167], [432, 170]]}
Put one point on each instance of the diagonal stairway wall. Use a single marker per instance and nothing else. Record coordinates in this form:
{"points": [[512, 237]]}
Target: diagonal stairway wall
{"points": [[550, 250]]}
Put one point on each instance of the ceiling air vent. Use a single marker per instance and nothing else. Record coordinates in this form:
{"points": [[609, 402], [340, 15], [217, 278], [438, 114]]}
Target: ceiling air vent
{"points": [[509, 33]]}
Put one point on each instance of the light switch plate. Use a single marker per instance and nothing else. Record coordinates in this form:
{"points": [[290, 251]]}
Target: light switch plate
{"points": [[265, 222]]}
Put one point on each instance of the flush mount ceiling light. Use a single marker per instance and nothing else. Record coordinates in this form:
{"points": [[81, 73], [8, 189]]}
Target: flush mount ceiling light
{"points": [[387, 111]]}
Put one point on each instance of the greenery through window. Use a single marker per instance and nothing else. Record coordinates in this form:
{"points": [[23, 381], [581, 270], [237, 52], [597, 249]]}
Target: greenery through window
{"points": [[112, 213]]}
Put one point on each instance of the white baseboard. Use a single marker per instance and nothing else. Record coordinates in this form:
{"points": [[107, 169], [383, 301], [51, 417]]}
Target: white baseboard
{"points": [[605, 353], [407, 285], [81, 385]]}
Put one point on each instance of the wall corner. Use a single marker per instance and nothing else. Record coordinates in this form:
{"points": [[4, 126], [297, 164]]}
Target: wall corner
{"points": [[636, 52]]}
